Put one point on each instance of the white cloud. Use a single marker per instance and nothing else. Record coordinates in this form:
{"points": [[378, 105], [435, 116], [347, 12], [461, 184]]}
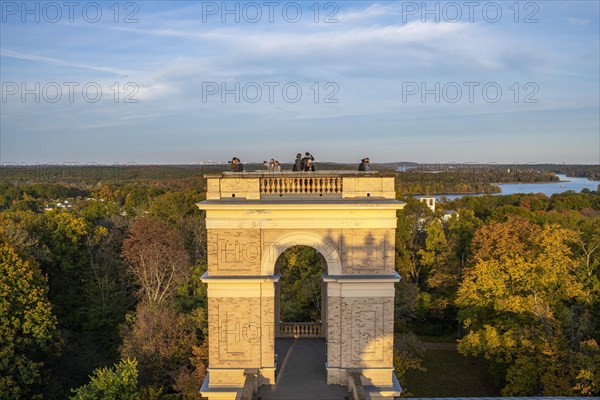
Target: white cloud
{"points": [[371, 12], [578, 21], [62, 63]]}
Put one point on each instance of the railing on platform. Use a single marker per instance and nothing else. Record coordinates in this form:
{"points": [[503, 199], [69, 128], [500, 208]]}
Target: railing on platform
{"points": [[299, 330], [301, 185]]}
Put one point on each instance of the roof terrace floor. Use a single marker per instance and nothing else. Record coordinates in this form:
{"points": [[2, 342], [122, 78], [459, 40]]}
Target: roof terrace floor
{"points": [[302, 374]]}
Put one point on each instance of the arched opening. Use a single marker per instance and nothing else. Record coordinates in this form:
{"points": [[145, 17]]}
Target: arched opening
{"points": [[301, 293], [325, 246], [301, 334]]}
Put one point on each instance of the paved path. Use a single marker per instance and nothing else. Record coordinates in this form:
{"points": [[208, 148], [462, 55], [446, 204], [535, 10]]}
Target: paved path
{"points": [[302, 373]]}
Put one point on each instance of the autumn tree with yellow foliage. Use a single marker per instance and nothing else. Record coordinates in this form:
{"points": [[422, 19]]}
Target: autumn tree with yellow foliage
{"points": [[522, 301], [27, 326]]}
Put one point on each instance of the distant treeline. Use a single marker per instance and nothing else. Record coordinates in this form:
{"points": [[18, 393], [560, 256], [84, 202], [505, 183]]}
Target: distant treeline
{"points": [[416, 178], [591, 172], [91, 174], [466, 179]]}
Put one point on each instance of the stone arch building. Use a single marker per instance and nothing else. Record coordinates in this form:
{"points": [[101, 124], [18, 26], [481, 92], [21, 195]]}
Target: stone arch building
{"points": [[251, 219]]}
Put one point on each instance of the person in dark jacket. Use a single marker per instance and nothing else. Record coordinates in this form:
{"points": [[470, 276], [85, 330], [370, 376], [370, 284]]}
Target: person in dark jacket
{"points": [[236, 165], [307, 156], [298, 163], [367, 165], [364, 165]]}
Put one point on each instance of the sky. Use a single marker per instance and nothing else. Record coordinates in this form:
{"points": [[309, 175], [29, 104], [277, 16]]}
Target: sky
{"points": [[167, 82]]}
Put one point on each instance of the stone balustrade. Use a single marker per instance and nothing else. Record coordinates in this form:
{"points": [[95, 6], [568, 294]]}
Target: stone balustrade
{"points": [[310, 185], [261, 185], [300, 330]]}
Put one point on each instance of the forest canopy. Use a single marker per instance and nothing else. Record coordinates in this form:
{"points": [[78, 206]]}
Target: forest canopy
{"points": [[104, 289]]}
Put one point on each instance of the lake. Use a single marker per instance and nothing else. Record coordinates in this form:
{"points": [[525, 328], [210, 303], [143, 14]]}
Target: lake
{"points": [[575, 184]]}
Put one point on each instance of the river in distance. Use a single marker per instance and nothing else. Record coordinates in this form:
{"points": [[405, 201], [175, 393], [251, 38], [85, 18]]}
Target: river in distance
{"points": [[566, 183]]}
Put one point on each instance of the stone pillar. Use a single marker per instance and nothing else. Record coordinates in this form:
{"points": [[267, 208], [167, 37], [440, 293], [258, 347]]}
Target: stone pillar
{"points": [[334, 335], [267, 360], [241, 329], [361, 332]]}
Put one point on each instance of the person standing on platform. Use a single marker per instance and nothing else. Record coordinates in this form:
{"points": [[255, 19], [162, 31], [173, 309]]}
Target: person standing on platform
{"points": [[236, 165], [298, 163], [305, 159], [367, 165], [310, 166]]}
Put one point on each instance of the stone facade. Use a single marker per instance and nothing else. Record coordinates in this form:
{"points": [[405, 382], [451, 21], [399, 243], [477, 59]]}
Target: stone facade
{"points": [[234, 252], [355, 235], [240, 252], [368, 251]]}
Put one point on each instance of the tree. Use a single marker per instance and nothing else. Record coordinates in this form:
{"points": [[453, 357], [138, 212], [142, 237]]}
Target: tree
{"points": [[188, 378], [435, 255], [441, 270], [66, 235], [108, 299], [461, 229], [410, 237], [405, 361], [117, 383], [174, 206], [27, 326], [300, 268], [161, 339], [515, 300], [164, 333], [157, 259], [588, 374]]}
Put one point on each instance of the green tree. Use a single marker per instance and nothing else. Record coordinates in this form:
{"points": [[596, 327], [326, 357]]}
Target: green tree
{"points": [[441, 270], [300, 268], [461, 229], [174, 206], [405, 361], [27, 326], [410, 238], [117, 383], [435, 255], [66, 235]]}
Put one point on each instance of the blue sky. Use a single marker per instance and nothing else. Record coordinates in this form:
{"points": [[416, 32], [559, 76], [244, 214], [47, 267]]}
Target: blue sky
{"points": [[209, 87]]}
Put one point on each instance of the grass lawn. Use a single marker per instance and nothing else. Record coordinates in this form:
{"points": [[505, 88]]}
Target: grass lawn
{"points": [[450, 374]]}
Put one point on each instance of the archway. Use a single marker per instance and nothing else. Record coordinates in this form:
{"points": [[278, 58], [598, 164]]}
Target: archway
{"points": [[327, 251], [300, 290], [300, 339], [324, 245], [350, 220]]}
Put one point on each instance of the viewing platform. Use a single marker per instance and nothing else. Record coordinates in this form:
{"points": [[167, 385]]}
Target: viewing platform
{"points": [[265, 185]]}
